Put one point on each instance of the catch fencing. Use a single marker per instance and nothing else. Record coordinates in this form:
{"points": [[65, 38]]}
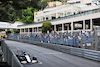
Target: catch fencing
{"points": [[97, 38], [9, 56], [63, 39]]}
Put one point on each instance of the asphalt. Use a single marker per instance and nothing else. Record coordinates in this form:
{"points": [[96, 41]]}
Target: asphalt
{"points": [[51, 58]]}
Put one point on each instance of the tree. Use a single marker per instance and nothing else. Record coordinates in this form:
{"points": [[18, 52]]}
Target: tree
{"points": [[16, 31], [8, 31], [11, 10], [42, 4], [28, 15], [46, 27]]}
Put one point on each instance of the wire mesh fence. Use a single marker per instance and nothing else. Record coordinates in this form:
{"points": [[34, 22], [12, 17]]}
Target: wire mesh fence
{"points": [[79, 39], [97, 38]]}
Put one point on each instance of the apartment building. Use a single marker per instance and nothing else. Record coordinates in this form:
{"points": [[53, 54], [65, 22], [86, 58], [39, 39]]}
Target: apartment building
{"points": [[75, 14]]}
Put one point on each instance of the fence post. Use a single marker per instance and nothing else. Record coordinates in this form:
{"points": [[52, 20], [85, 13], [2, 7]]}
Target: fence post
{"points": [[81, 42], [96, 39]]}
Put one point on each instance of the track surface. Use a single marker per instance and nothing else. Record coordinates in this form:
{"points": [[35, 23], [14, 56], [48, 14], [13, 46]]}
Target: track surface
{"points": [[51, 58]]}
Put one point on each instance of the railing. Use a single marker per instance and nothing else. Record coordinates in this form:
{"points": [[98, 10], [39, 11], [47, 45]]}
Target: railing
{"points": [[9, 56], [76, 15], [71, 16]]}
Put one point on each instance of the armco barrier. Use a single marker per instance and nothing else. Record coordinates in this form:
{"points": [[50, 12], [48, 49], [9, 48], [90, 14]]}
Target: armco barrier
{"points": [[77, 51], [9, 56], [99, 56], [90, 54]]}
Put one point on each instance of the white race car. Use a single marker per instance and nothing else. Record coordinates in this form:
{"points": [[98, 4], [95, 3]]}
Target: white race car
{"points": [[26, 58]]}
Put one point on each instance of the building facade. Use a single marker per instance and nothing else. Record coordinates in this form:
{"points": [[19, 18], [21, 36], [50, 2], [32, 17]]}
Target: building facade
{"points": [[76, 14], [5, 25]]}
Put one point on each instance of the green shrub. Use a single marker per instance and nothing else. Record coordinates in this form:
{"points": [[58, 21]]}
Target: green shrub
{"points": [[46, 27]]}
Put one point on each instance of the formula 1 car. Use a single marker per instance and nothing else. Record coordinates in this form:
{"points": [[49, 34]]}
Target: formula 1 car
{"points": [[26, 58]]}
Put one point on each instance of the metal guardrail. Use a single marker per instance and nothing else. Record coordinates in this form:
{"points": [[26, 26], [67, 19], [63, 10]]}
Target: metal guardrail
{"points": [[90, 54], [9, 56]]}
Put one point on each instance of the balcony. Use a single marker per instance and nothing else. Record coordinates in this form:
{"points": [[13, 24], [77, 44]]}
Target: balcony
{"points": [[72, 16], [58, 10]]}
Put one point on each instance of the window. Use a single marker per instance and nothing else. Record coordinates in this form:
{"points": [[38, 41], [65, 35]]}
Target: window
{"points": [[38, 19], [88, 4], [46, 18], [96, 2], [43, 18], [45, 11], [78, 2], [75, 2]]}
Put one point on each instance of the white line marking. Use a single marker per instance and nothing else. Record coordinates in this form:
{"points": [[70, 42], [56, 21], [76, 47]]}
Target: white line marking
{"points": [[50, 53]]}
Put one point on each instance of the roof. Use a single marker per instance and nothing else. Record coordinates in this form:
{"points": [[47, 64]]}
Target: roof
{"points": [[4, 22]]}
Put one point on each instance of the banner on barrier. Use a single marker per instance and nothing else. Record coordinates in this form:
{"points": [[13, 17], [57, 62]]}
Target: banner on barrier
{"points": [[88, 44]]}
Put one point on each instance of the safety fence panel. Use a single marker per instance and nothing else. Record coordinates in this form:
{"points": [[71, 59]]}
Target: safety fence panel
{"points": [[54, 40], [9, 56], [97, 39], [69, 40]]}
